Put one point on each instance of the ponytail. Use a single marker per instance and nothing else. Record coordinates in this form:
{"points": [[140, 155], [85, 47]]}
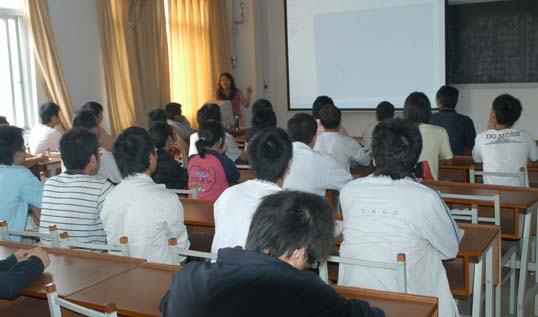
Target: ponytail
{"points": [[210, 133]]}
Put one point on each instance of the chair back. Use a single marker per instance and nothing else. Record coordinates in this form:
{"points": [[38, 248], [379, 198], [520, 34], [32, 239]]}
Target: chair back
{"points": [[178, 255], [56, 303], [521, 175], [471, 214], [122, 248], [5, 232]]}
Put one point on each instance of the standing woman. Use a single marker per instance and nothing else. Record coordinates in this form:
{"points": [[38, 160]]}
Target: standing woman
{"points": [[228, 91]]}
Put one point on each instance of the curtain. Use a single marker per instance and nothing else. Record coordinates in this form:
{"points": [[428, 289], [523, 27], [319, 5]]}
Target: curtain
{"points": [[199, 51], [135, 58], [37, 14]]}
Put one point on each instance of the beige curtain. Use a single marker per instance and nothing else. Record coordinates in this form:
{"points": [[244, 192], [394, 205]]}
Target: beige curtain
{"points": [[199, 51], [135, 58], [47, 58]]}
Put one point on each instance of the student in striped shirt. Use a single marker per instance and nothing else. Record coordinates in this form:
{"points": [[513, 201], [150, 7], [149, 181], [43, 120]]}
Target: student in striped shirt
{"points": [[73, 200]]}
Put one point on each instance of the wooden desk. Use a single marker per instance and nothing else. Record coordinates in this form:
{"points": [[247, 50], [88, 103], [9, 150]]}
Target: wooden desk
{"points": [[198, 212], [393, 304], [72, 270], [50, 167]]}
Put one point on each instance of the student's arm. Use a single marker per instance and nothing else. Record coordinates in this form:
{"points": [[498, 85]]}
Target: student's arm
{"points": [[8, 263], [19, 276], [109, 168], [232, 173], [445, 152], [31, 190], [469, 133], [440, 229], [54, 142], [358, 154], [338, 176], [477, 151], [245, 101], [343, 131], [107, 188], [531, 145], [174, 220]]}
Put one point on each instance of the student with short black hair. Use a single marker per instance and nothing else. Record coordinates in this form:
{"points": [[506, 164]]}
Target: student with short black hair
{"points": [[45, 137], [177, 119], [460, 128], [211, 112], [108, 168], [435, 141], [311, 171], [263, 116], [290, 231], [180, 147], [211, 171], [168, 172], [384, 110], [343, 148], [105, 139], [270, 152], [388, 212], [319, 102], [503, 148], [73, 200], [20, 188], [145, 212]]}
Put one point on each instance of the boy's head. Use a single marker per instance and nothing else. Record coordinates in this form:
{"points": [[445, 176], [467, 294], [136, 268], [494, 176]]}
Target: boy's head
{"points": [[320, 102], [293, 226], [506, 110], [3, 121], [263, 115], [86, 119], [396, 146], [270, 152], [173, 111], [78, 148], [49, 114], [330, 117], [134, 152], [162, 135], [417, 108], [156, 115], [208, 112], [96, 108], [12, 149], [447, 97], [384, 110], [302, 127]]}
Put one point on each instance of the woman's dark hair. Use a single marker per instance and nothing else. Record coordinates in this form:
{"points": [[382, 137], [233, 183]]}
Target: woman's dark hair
{"points": [[208, 112], [132, 150], [396, 147], [76, 147], [507, 109], [156, 115], [85, 119], [159, 133], [384, 110], [417, 108], [269, 154], [47, 111], [172, 110], [302, 127], [292, 220], [230, 78], [320, 102], [94, 107], [11, 141], [209, 134]]}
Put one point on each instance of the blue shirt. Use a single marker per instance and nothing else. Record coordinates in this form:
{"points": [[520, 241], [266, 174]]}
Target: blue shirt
{"points": [[19, 188], [460, 129]]}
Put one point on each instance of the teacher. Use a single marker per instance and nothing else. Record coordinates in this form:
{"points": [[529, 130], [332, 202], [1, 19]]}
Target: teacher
{"points": [[227, 91]]}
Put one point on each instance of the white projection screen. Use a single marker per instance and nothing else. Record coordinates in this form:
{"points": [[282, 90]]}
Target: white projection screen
{"points": [[361, 52]]}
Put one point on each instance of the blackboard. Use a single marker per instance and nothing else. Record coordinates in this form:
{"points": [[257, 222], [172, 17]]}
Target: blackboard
{"points": [[492, 42]]}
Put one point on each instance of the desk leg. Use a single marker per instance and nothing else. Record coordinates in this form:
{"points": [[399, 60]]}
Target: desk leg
{"points": [[477, 289], [536, 264], [489, 282], [523, 267]]}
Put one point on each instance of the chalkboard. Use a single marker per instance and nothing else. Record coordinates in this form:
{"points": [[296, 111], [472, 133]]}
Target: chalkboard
{"points": [[492, 42]]}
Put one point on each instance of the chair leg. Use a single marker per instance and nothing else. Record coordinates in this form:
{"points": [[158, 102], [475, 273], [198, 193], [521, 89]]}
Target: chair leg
{"points": [[512, 298]]}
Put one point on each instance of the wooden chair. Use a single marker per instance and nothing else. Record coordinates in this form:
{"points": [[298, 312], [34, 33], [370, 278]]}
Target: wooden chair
{"points": [[56, 303], [193, 192], [522, 175], [178, 255], [5, 232], [399, 267], [121, 249]]}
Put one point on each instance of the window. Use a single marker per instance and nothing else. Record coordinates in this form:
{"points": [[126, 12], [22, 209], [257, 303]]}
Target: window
{"points": [[17, 88]]}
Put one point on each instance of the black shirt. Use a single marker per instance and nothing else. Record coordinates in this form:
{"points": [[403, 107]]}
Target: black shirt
{"points": [[460, 128], [169, 172], [14, 275], [246, 283]]}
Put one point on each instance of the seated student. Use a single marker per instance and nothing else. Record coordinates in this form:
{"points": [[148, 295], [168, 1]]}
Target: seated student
{"points": [[211, 112], [460, 128], [316, 107], [108, 168], [20, 188], [384, 110], [311, 171], [176, 119], [73, 200], [263, 116], [343, 148], [210, 170], [20, 269], [45, 137], [388, 212], [435, 141], [290, 231], [503, 148], [145, 212], [168, 172], [105, 139], [270, 153], [3, 121], [180, 147]]}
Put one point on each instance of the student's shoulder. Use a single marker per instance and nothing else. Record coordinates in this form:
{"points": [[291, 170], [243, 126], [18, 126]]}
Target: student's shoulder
{"points": [[17, 171]]}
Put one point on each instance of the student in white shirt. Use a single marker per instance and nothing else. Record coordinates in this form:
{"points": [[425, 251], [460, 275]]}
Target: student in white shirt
{"points": [[211, 112], [108, 168], [73, 200], [435, 141], [504, 148], [384, 110], [145, 212], [389, 213], [316, 107], [311, 171], [270, 152], [343, 148], [45, 137]]}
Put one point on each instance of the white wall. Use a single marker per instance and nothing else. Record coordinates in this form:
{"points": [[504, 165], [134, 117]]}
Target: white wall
{"points": [[262, 41]]}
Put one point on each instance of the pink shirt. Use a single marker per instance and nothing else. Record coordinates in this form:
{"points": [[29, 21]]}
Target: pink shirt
{"points": [[321, 129], [208, 175]]}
